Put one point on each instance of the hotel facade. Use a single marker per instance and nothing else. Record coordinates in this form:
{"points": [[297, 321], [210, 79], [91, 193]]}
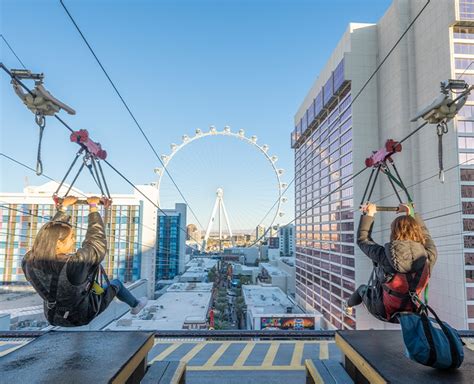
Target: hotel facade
{"points": [[333, 136]]}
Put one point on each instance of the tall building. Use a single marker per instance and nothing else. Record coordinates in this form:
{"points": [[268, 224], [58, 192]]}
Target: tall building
{"points": [[23, 214], [259, 231], [171, 242], [286, 235], [332, 138]]}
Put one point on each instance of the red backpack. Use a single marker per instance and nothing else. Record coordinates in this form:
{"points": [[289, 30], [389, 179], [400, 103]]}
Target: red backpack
{"points": [[397, 292]]}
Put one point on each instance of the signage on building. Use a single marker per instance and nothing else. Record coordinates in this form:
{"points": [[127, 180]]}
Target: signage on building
{"points": [[296, 323]]}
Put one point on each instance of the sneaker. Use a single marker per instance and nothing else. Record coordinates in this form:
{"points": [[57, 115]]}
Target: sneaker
{"points": [[349, 311], [141, 304]]}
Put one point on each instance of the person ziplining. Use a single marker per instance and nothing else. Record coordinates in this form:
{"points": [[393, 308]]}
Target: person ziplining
{"points": [[73, 284], [402, 266], [65, 278]]}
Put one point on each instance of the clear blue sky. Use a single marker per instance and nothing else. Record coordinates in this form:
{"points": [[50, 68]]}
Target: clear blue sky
{"points": [[180, 65]]}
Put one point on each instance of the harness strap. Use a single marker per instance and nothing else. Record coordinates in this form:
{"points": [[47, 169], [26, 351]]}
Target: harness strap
{"points": [[413, 279]]}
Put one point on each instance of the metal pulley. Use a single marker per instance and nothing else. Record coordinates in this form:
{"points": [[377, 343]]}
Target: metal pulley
{"points": [[39, 101]]}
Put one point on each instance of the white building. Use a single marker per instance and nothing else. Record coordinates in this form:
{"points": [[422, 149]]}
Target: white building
{"points": [[204, 263], [259, 232], [130, 229], [272, 275], [286, 235], [332, 138], [193, 275], [251, 254], [183, 306], [244, 270], [270, 308]]}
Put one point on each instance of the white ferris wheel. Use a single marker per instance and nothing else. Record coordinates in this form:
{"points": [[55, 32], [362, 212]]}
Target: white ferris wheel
{"points": [[219, 214]]}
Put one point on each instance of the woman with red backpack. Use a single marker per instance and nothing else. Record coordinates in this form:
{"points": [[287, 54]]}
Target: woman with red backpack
{"points": [[402, 267]]}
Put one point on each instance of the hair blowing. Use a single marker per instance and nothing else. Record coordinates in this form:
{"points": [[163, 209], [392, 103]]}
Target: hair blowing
{"points": [[407, 228], [44, 246]]}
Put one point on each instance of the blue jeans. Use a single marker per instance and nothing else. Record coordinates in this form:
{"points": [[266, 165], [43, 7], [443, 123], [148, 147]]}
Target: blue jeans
{"points": [[123, 294]]}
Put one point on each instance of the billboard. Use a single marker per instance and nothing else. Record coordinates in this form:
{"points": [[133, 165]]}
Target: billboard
{"points": [[296, 323]]}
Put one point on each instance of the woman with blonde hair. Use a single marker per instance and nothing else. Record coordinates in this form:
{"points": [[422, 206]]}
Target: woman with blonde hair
{"points": [[402, 267], [65, 277]]}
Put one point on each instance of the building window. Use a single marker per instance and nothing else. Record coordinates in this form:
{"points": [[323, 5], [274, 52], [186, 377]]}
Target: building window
{"points": [[470, 276]]}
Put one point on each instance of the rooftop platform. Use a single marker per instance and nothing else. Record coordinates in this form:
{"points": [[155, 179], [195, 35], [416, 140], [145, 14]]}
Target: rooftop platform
{"points": [[270, 357]]}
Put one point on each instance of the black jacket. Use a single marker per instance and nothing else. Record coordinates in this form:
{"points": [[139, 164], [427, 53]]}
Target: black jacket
{"points": [[398, 255], [71, 275]]}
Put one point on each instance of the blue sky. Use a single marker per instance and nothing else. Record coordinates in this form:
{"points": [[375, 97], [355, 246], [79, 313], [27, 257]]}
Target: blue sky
{"points": [[180, 65]]}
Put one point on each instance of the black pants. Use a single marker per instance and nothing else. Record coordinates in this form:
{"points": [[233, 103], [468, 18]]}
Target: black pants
{"points": [[372, 297]]}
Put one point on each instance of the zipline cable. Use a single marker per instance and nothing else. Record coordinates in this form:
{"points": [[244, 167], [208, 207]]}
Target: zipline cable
{"points": [[108, 163], [130, 112], [368, 81]]}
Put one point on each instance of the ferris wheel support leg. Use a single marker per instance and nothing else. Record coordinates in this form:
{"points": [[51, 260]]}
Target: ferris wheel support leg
{"points": [[209, 226], [227, 223]]}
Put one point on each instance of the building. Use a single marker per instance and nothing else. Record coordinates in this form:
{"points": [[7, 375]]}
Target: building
{"points": [[193, 235], [171, 242], [183, 306], [270, 308], [251, 273], [272, 275], [332, 138], [259, 232], [286, 237], [193, 275], [274, 242], [288, 265], [23, 214], [250, 255]]}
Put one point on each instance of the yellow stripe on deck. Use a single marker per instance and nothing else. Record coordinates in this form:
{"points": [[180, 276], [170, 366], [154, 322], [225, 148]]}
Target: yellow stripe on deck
{"points": [[193, 352], [167, 352], [239, 362], [271, 353], [216, 355], [297, 354], [323, 350]]}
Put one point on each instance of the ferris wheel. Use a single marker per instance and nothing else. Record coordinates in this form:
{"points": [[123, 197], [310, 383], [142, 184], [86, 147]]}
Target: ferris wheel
{"points": [[271, 209]]}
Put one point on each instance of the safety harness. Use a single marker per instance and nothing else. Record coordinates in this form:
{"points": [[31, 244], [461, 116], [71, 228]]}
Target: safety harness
{"points": [[398, 290]]}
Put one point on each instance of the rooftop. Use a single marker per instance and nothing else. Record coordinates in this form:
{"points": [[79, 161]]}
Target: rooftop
{"points": [[201, 263], [289, 261], [172, 310], [273, 270], [267, 300]]}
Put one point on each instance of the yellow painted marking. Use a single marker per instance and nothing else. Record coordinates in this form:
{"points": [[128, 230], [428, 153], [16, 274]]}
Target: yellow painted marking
{"points": [[297, 354], [359, 362], [140, 356], [10, 350], [245, 368], [167, 352], [178, 374], [469, 344], [188, 356], [323, 351], [161, 341], [216, 355], [312, 373], [244, 355], [271, 353]]}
